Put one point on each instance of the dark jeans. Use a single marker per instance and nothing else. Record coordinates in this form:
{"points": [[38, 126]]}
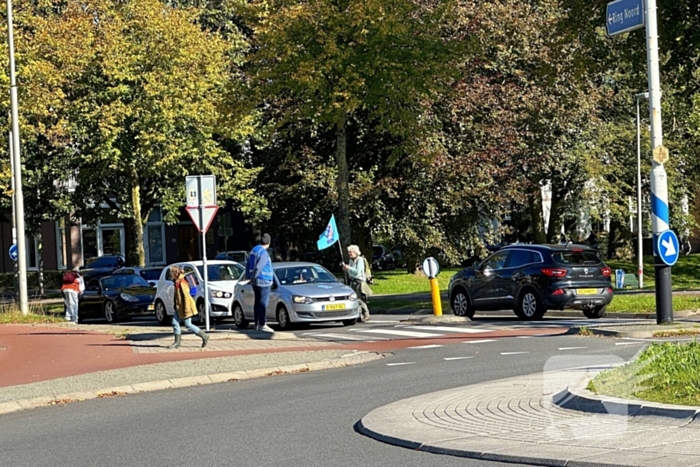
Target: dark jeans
{"points": [[262, 298]]}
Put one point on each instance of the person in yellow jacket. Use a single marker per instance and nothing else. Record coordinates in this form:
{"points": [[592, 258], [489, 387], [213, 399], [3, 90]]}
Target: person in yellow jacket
{"points": [[185, 308]]}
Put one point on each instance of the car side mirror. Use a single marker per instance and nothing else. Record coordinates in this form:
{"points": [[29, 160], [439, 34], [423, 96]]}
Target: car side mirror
{"points": [[274, 285], [488, 271]]}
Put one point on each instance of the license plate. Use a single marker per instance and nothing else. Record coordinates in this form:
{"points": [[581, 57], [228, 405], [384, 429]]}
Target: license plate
{"points": [[586, 291], [150, 307], [335, 306]]}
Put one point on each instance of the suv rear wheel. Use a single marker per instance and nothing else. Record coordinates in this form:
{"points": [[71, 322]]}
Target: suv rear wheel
{"points": [[529, 305], [595, 313]]}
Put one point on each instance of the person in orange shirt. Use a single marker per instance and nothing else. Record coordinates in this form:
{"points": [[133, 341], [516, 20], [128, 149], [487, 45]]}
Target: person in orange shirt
{"points": [[71, 289]]}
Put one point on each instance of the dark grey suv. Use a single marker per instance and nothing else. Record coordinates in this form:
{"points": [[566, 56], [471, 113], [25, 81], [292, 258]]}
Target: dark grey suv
{"points": [[530, 279]]}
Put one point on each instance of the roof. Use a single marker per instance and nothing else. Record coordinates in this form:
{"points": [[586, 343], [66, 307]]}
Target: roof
{"points": [[293, 264], [549, 246]]}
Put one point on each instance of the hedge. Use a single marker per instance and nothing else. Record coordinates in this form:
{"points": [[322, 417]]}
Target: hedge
{"points": [[52, 280]]}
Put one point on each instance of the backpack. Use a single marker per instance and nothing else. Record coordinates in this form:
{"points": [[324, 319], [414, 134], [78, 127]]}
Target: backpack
{"points": [[368, 271], [69, 277]]}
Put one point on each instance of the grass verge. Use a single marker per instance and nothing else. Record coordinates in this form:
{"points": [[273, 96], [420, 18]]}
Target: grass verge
{"points": [[668, 373], [10, 314], [684, 272], [647, 303]]}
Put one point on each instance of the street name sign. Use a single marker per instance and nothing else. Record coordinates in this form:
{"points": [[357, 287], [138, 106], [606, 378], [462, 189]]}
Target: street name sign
{"points": [[668, 247], [624, 16]]}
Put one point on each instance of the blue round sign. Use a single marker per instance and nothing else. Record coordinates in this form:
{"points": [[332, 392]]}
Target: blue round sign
{"points": [[668, 247], [13, 252]]}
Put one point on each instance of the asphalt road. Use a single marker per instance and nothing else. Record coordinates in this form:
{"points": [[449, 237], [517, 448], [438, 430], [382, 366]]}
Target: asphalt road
{"points": [[293, 420]]}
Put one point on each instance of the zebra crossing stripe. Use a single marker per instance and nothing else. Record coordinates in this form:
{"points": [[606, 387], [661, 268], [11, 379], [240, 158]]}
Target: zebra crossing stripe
{"points": [[431, 346], [451, 329], [349, 337], [396, 332]]}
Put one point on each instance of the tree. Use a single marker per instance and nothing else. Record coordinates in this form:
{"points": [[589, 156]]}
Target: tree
{"points": [[140, 94], [324, 61]]}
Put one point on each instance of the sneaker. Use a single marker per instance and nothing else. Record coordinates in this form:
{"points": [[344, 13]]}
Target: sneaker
{"points": [[266, 328]]}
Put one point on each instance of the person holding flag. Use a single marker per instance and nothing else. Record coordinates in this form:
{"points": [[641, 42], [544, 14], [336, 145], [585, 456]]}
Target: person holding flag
{"points": [[358, 281]]}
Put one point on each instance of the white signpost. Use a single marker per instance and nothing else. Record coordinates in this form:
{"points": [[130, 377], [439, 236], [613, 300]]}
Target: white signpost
{"points": [[201, 206]]}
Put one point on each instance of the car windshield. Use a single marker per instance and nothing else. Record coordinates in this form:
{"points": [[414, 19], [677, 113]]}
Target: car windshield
{"points": [[576, 258], [102, 262], [221, 272], [124, 281], [310, 274]]}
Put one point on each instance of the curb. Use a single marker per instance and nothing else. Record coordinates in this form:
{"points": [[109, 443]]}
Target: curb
{"points": [[583, 400], [357, 358]]}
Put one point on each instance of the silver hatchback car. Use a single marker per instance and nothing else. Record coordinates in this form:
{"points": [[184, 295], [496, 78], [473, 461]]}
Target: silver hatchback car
{"points": [[301, 293]]}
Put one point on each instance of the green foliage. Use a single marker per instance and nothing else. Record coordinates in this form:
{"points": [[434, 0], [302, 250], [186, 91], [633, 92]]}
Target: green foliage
{"points": [[666, 373]]}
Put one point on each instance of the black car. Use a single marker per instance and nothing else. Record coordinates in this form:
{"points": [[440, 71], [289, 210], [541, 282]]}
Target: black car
{"points": [[101, 266], [530, 279], [151, 274], [116, 297], [382, 258]]}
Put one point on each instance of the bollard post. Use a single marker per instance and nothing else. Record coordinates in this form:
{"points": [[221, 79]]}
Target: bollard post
{"points": [[435, 292]]}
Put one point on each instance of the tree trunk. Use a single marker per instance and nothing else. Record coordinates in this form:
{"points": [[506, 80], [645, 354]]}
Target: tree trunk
{"points": [[555, 214], [135, 253], [343, 184], [40, 260], [536, 217]]}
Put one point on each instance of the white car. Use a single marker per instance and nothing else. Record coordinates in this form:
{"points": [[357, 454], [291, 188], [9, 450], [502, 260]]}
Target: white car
{"points": [[222, 275]]}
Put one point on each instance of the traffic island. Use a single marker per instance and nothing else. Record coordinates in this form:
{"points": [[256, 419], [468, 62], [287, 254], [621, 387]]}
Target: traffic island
{"points": [[640, 330]]}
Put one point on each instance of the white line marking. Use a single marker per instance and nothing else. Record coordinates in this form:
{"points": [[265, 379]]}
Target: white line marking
{"points": [[385, 321], [431, 346], [450, 329], [340, 336], [628, 343], [513, 353], [572, 348], [456, 358], [524, 337], [421, 335], [482, 341], [400, 364]]}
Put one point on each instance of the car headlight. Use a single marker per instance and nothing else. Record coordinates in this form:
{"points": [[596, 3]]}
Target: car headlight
{"points": [[220, 294], [302, 299], [353, 296], [128, 298]]}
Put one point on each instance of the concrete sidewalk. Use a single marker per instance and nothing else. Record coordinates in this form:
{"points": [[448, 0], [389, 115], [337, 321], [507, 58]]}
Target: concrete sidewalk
{"points": [[52, 364], [541, 419]]}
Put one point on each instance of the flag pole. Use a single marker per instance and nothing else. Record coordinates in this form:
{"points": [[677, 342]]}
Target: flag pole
{"points": [[342, 260]]}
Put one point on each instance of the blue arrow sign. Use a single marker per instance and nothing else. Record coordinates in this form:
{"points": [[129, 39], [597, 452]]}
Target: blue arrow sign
{"points": [[668, 247], [624, 16], [13, 252]]}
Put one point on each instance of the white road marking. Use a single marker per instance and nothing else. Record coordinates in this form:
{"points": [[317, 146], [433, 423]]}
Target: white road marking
{"points": [[482, 341], [456, 358], [431, 346], [628, 343], [450, 329], [339, 336], [524, 337], [384, 321], [396, 332], [513, 353], [572, 348], [400, 364]]}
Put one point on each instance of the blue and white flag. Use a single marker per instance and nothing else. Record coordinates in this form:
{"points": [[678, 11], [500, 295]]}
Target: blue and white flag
{"points": [[329, 236]]}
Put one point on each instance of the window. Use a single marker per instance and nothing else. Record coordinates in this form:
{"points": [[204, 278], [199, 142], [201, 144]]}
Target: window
{"points": [[576, 258], [520, 258], [496, 261], [304, 275], [221, 272], [154, 234], [32, 246]]}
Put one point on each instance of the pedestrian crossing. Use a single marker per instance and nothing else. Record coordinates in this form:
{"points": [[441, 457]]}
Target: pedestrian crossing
{"points": [[393, 330]]}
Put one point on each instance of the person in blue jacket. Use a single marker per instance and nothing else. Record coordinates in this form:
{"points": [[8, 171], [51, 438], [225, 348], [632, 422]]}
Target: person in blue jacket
{"points": [[259, 272]]}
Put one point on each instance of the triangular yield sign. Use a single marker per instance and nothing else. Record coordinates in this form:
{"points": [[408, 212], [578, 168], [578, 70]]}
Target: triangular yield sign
{"points": [[208, 213]]}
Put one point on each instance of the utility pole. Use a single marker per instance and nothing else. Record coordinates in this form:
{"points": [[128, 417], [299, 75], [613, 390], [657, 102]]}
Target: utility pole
{"points": [[17, 175], [659, 183]]}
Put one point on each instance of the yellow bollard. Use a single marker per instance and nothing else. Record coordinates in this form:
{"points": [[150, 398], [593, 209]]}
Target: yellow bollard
{"points": [[435, 291]]}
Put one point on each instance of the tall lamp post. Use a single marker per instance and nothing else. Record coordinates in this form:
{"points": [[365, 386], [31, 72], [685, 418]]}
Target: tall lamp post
{"points": [[17, 175], [640, 245]]}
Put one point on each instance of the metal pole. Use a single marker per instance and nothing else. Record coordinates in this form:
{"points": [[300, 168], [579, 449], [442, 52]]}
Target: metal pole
{"points": [[640, 244], [15, 279], [205, 273], [17, 176], [659, 184]]}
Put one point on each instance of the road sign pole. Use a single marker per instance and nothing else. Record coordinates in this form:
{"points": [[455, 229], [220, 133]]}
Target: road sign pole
{"points": [[659, 186], [205, 274]]}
